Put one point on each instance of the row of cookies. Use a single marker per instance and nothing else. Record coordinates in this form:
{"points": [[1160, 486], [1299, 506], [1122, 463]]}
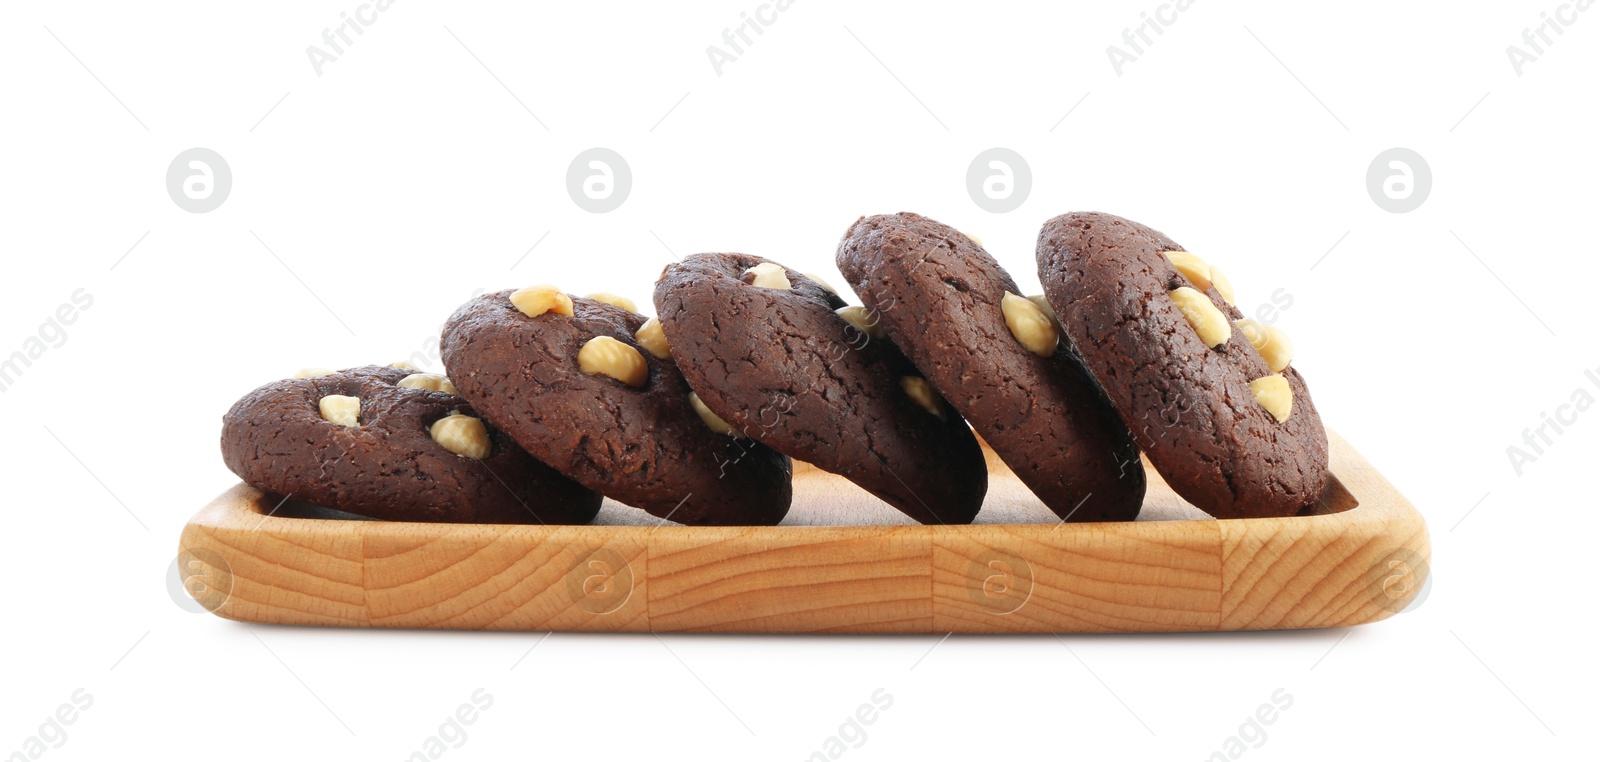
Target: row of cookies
{"points": [[1135, 346], [694, 415]]}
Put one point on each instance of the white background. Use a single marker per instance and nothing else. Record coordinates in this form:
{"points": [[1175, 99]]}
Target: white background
{"points": [[406, 177]]}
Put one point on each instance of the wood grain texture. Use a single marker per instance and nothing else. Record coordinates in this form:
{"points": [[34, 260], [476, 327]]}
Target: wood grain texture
{"points": [[842, 562]]}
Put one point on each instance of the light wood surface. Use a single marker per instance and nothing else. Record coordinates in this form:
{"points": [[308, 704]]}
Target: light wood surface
{"points": [[841, 562]]}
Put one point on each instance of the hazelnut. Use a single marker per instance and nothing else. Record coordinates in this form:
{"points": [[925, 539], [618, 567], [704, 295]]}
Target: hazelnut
{"points": [[1224, 287], [824, 284], [711, 420], [432, 382], [864, 320], [313, 373], [974, 239], [922, 393], [653, 339], [1031, 326], [1044, 305], [1192, 267], [768, 275], [461, 434], [403, 365], [1270, 341], [609, 357], [1273, 393], [1203, 315], [1252, 330], [534, 301], [337, 408], [615, 301]]}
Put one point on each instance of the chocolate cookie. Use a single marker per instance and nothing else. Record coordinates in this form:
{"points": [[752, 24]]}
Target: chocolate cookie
{"points": [[1207, 395], [390, 444], [766, 351], [566, 378], [997, 358]]}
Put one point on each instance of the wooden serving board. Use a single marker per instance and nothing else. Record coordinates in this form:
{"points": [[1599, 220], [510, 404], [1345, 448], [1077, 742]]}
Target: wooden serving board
{"points": [[841, 562]]}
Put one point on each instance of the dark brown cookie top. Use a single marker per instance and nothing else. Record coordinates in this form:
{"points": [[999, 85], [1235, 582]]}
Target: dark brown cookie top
{"points": [[643, 446], [1189, 406], [938, 295], [779, 365], [389, 466]]}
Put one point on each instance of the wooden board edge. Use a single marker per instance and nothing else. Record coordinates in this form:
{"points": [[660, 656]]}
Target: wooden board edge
{"points": [[1340, 569], [1355, 567]]}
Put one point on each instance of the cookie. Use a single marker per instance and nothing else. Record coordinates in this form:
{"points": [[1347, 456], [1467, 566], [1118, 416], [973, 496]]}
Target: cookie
{"points": [[765, 350], [1229, 426], [950, 307], [390, 444], [633, 435]]}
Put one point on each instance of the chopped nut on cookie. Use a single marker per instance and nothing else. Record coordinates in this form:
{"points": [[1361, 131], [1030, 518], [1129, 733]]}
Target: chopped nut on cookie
{"points": [[1224, 287], [534, 301], [1043, 304], [614, 300], [432, 382], [1193, 268], [340, 409], [461, 434], [608, 357], [713, 422], [768, 275], [1273, 393], [1270, 341], [1031, 326], [1203, 315], [1201, 274], [922, 393], [863, 319], [653, 339], [826, 286]]}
